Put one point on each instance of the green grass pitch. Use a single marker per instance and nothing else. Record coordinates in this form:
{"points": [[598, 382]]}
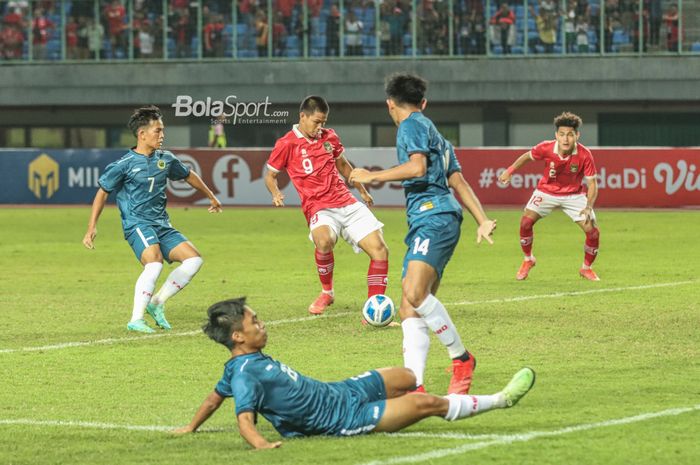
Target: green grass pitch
{"points": [[616, 349]]}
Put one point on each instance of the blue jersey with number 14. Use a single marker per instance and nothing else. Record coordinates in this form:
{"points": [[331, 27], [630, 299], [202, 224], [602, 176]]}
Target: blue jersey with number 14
{"points": [[429, 194], [140, 182]]}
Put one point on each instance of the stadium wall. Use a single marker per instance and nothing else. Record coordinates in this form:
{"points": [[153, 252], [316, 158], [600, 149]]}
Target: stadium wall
{"points": [[630, 177]]}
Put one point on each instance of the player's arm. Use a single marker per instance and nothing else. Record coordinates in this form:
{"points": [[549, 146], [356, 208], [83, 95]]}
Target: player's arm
{"points": [[345, 168], [486, 226], [591, 197], [97, 206], [209, 406], [517, 164], [271, 184], [415, 167], [246, 426], [195, 181]]}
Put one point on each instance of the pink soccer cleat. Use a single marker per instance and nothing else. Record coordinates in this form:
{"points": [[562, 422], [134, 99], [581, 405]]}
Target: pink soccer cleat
{"points": [[462, 373], [525, 268], [589, 274], [321, 303]]}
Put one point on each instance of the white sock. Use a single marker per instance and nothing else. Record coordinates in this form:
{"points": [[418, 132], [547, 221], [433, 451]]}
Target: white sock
{"points": [[529, 257], [463, 406], [178, 279], [438, 320], [144, 288], [330, 293], [416, 342]]}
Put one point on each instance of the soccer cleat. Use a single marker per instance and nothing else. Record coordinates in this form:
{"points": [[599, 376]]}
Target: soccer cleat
{"points": [[418, 390], [157, 312], [521, 383], [140, 326], [321, 303], [462, 372], [589, 274], [525, 268]]}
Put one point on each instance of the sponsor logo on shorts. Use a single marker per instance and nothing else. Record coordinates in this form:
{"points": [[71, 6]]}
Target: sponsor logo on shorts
{"points": [[426, 206]]}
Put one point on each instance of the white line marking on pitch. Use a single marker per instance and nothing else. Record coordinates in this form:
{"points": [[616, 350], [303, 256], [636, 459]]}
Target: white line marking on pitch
{"points": [[524, 437], [66, 345]]}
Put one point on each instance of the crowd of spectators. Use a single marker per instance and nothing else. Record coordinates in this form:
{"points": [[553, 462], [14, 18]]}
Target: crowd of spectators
{"points": [[184, 29]]}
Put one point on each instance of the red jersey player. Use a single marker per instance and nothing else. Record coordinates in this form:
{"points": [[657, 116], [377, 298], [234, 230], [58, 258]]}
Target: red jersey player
{"points": [[567, 163], [313, 157]]}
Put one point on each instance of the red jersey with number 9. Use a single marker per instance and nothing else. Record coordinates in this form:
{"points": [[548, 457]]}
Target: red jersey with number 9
{"points": [[311, 167], [563, 175]]}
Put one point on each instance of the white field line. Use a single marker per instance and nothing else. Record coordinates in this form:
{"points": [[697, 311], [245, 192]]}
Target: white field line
{"points": [[66, 345], [524, 437]]}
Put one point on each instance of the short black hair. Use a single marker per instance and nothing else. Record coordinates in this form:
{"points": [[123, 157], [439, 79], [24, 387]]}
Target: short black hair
{"points": [[568, 120], [406, 88], [143, 117], [224, 318], [312, 104]]}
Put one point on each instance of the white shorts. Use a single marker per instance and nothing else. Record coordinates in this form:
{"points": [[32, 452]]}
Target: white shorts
{"points": [[353, 223], [543, 204]]}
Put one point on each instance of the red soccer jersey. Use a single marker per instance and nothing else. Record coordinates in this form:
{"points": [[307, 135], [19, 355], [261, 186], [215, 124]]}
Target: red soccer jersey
{"points": [[563, 175], [311, 167]]}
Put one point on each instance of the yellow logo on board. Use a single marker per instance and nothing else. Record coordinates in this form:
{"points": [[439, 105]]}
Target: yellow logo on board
{"points": [[43, 174]]}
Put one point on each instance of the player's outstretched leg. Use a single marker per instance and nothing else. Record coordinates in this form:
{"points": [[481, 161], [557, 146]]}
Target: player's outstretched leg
{"points": [[526, 238], [590, 253], [143, 290], [176, 281]]}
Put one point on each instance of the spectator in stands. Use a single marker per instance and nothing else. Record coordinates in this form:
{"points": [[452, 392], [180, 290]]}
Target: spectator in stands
{"points": [[546, 28], [41, 29], [333, 32], [671, 19], [115, 15], [635, 30], [655, 18], [279, 35], [546, 7], [285, 8], [464, 34], [570, 27], [11, 41], [582, 36], [353, 34], [83, 51], [146, 39], [628, 9], [384, 28], [428, 24], [213, 33], [504, 20], [608, 34], [397, 27], [72, 51], [95, 35], [182, 28], [261, 32]]}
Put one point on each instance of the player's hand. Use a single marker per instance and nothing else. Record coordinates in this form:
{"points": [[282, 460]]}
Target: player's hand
{"points": [[89, 239], [587, 214], [360, 175], [215, 206], [269, 445], [183, 430], [504, 178], [485, 231], [278, 199], [367, 198]]}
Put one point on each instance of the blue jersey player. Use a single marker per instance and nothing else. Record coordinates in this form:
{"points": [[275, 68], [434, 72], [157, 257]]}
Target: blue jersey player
{"points": [[377, 400], [139, 180], [428, 170]]}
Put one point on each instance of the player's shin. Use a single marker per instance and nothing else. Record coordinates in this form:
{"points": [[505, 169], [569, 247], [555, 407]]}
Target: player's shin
{"points": [[526, 235], [178, 279], [377, 277], [324, 264], [439, 321], [416, 343], [591, 247], [144, 288]]}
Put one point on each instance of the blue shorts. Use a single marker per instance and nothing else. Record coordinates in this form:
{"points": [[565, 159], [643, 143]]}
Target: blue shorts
{"points": [[433, 242], [367, 395], [143, 236]]}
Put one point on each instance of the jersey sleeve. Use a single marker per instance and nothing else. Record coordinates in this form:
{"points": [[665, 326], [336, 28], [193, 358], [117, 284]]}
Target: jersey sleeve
{"points": [[453, 165], [223, 387], [178, 170], [589, 169], [247, 391], [338, 147], [113, 176], [278, 157], [538, 151], [414, 138]]}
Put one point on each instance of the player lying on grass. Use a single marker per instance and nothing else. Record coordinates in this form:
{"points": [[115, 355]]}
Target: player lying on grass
{"points": [[377, 400]]}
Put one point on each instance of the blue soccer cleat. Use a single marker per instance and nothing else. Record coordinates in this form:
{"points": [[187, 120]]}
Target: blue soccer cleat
{"points": [[140, 326], [157, 312]]}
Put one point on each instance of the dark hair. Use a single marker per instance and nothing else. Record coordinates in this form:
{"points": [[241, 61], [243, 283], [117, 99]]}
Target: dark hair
{"points": [[406, 88], [568, 120], [143, 117], [312, 104], [225, 317]]}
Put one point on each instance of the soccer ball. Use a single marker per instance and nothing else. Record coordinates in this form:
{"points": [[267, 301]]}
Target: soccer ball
{"points": [[378, 310]]}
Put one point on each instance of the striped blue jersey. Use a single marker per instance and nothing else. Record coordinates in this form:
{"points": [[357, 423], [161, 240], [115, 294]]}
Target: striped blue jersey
{"points": [[140, 182]]}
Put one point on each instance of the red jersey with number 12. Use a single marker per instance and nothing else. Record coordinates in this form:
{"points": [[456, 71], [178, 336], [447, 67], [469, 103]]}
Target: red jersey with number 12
{"points": [[563, 175], [311, 167]]}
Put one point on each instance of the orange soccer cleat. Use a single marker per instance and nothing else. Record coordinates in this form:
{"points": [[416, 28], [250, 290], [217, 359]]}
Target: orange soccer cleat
{"points": [[525, 269], [589, 274], [321, 303], [462, 372]]}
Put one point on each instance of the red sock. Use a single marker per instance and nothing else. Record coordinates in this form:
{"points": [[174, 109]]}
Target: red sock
{"points": [[591, 247], [324, 265], [526, 235], [376, 277]]}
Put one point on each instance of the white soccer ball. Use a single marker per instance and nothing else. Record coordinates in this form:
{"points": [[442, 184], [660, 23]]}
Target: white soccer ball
{"points": [[379, 310]]}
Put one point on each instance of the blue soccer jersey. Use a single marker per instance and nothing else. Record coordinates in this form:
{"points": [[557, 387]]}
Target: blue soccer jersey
{"points": [[428, 194], [301, 406], [140, 182]]}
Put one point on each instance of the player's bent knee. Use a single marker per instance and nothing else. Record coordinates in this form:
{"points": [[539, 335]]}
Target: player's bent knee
{"points": [[526, 222], [413, 295]]}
